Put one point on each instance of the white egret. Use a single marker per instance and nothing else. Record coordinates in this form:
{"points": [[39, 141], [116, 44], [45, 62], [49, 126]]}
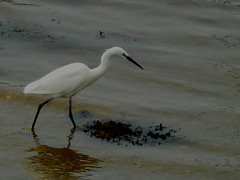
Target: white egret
{"points": [[68, 80]]}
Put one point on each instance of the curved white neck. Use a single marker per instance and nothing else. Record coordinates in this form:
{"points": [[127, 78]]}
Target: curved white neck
{"points": [[104, 65]]}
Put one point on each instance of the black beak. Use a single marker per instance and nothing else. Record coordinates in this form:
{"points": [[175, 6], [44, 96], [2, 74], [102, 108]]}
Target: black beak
{"points": [[131, 60]]}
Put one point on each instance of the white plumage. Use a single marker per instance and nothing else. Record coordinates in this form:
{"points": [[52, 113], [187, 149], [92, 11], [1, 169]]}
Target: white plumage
{"points": [[68, 80], [62, 82]]}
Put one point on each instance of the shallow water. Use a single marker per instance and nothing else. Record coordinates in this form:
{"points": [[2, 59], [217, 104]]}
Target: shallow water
{"points": [[191, 83]]}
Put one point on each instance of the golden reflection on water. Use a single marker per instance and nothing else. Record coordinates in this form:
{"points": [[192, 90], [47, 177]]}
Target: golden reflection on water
{"points": [[59, 163]]}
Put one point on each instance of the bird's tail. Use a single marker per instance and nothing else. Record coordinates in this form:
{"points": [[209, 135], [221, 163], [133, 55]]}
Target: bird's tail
{"points": [[30, 88]]}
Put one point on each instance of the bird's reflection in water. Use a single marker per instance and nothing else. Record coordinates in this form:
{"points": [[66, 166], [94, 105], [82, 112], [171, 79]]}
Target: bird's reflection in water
{"points": [[60, 163]]}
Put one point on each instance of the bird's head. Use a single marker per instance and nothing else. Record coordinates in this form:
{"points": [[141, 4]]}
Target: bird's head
{"points": [[118, 51]]}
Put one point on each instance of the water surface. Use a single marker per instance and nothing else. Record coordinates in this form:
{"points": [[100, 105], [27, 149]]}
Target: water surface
{"points": [[190, 53]]}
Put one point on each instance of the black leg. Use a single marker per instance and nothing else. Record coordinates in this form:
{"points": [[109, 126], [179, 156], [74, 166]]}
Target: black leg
{"points": [[38, 111], [70, 113]]}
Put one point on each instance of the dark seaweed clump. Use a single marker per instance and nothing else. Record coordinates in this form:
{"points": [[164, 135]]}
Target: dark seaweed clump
{"points": [[119, 133]]}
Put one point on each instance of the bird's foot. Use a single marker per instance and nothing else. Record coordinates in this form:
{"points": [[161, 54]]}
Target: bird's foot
{"points": [[33, 132]]}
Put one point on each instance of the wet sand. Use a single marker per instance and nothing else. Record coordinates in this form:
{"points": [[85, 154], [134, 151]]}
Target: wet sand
{"points": [[190, 53]]}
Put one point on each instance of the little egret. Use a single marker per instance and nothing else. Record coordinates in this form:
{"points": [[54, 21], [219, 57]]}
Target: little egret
{"points": [[68, 80]]}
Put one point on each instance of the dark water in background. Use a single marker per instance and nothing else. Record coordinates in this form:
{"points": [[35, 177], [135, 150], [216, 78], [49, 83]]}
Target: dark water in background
{"points": [[191, 83]]}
